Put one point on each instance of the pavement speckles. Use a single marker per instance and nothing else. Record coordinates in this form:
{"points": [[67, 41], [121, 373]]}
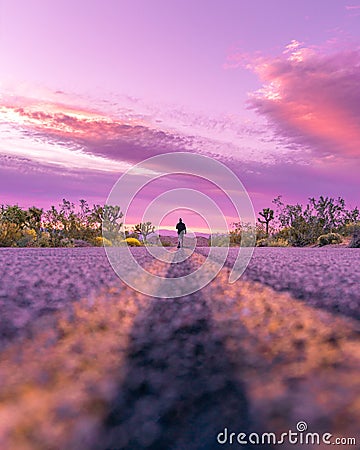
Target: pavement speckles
{"points": [[91, 364]]}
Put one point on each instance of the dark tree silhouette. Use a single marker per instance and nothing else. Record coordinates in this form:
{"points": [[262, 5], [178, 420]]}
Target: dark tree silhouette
{"points": [[268, 215], [144, 229]]}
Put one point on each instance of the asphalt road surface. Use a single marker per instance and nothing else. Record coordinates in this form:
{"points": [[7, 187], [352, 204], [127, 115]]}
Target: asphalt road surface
{"points": [[88, 363]]}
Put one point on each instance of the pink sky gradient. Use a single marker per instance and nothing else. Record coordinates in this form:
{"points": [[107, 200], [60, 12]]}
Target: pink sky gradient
{"points": [[87, 89]]}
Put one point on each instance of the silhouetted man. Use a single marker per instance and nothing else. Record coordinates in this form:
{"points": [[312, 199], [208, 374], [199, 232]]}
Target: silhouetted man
{"points": [[181, 229]]}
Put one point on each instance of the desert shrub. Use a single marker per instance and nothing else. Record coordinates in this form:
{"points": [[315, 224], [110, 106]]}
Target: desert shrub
{"points": [[80, 243], [9, 234], [262, 243], [66, 242], [100, 241], [153, 241], [219, 240], [166, 243], [131, 234], [300, 234], [272, 242], [355, 240], [132, 242], [27, 238], [329, 238], [248, 239], [284, 233], [278, 243], [43, 240], [349, 228], [245, 234], [303, 233]]}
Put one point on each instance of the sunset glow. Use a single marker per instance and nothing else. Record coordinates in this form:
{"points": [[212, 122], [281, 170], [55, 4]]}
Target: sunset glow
{"points": [[272, 93]]}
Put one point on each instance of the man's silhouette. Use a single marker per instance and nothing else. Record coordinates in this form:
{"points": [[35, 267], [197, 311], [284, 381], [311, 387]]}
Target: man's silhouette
{"points": [[181, 229]]}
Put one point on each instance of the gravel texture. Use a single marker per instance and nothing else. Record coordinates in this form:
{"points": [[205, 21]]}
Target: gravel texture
{"points": [[39, 282], [327, 278], [87, 363]]}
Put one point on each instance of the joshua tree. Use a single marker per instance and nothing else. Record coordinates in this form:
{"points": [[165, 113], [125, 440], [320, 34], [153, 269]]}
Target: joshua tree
{"points": [[268, 215], [144, 229], [330, 213], [12, 221], [14, 215], [33, 219], [110, 216]]}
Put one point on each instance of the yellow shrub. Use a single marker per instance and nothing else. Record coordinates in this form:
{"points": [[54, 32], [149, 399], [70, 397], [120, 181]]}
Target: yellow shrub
{"points": [[329, 238], [279, 243], [133, 242], [101, 241]]}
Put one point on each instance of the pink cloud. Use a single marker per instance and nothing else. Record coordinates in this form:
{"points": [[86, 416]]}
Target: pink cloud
{"points": [[94, 143], [129, 139], [312, 97]]}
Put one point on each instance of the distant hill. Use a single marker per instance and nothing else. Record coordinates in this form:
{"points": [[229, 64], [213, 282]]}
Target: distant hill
{"points": [[164, 232], [171, 240]]}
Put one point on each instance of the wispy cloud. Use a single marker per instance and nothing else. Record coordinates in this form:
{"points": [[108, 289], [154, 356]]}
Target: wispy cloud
{"points": [[312, 97], [63, 134], [353, 10], [58, 134], [50, 149]]}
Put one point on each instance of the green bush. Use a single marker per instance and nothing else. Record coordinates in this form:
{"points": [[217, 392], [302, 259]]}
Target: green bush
{"points": [[329, 238]]}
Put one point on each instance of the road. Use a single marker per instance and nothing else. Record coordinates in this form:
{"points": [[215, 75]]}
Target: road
{"points": [[88, 363]]}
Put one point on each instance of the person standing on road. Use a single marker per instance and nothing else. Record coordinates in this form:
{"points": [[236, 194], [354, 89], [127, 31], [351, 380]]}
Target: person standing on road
{"points": [[181, 229]]}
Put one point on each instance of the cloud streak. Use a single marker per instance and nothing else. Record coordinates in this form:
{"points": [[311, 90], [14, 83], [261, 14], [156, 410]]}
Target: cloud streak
{"points": [[63, 134], [51, 150], [311, 96]]}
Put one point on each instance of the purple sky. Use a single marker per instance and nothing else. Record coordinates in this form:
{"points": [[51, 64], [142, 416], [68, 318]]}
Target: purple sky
{"points": [[269, 88]]}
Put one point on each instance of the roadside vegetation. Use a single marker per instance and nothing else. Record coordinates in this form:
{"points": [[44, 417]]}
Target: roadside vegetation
{"points": [[320, 222], [67, 225]]}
